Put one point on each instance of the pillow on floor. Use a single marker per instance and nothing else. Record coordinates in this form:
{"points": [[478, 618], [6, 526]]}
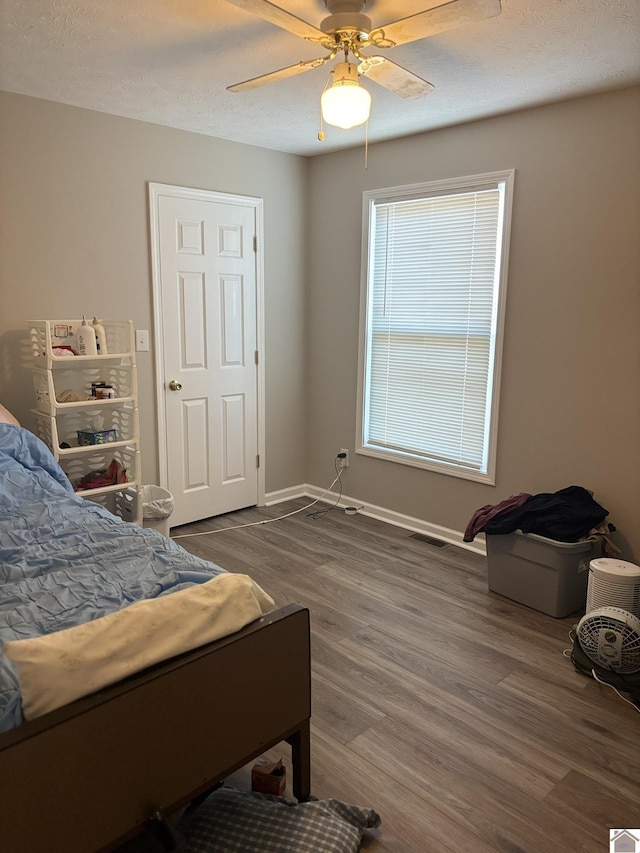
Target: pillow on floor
{"points": [[248, 822]]}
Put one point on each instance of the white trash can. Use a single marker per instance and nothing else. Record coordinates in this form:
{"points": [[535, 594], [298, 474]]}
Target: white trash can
{"points": [[157, 506]]}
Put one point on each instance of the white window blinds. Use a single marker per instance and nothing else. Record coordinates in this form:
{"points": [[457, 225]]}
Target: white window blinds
{"points": [[433, 284]]}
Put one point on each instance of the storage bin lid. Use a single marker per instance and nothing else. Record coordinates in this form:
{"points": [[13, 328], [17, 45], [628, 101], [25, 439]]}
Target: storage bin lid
{"points": [[580, 545], [615, 567]]}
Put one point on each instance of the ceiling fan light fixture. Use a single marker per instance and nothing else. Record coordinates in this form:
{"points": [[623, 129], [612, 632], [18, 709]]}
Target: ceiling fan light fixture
{"points": [[345, 103]]}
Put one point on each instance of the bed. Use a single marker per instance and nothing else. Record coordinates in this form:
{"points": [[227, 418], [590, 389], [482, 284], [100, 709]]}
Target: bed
{"points": [[84, 772]]}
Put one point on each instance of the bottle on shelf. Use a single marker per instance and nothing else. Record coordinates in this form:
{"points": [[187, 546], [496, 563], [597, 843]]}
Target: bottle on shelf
{"points": [[101, 337], [86, 339]]}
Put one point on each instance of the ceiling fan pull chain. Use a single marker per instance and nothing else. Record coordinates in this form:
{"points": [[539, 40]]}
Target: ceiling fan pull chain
{"points": [[366, 145], [321, 131]]}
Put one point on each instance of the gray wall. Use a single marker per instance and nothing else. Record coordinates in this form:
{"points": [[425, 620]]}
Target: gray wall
{"points": [[75, 239], [570, 399]]}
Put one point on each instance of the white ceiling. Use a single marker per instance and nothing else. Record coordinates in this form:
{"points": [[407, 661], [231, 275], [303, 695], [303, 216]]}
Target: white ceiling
{"points": [[169, 62]]}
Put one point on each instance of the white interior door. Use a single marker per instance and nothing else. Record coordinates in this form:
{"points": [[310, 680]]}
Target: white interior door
{"points": [[207, 350]]}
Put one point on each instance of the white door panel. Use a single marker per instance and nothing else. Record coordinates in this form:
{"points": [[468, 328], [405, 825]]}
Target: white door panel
{"points": [[191, 320], [233, 431], [195, 429], [207, 290], [232, 315]]}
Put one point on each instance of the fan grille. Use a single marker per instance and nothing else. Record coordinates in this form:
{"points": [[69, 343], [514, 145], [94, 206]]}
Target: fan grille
{"points": [[602, 631]]}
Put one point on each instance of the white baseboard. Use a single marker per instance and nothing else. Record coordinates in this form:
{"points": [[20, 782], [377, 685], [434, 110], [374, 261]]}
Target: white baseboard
{"points": [[278, 497], [417, 525]]}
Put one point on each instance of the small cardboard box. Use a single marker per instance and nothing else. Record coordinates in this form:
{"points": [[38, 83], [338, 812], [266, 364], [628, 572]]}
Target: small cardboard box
{"points": [[269, 777], [104, 436]]}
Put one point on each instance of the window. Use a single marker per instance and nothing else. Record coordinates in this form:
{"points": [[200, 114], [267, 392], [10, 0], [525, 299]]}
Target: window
{"points": [[433, 312]]}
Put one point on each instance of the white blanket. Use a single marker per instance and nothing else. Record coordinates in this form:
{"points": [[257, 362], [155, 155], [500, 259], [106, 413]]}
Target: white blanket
{"points": [[58, 668]]}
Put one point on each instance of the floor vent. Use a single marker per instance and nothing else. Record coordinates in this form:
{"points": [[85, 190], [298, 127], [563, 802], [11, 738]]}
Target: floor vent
{"points": [[428, 540]]}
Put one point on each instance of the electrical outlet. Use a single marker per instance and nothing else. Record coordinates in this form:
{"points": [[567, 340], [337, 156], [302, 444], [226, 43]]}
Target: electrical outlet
{"points": [[344, 463]]}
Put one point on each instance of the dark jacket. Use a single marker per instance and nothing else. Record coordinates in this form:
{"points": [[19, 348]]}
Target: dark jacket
{"points": [[566, 516]]}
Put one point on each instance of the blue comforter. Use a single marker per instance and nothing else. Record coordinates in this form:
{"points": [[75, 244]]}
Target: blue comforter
{"points": [[65, 560]]}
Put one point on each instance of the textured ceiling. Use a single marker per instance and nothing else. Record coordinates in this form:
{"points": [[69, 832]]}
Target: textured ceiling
{"points": [[170, 61]]}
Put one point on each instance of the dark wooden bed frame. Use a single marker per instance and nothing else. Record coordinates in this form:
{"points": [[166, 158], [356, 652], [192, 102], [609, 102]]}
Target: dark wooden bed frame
{"points": [[90, 775]]}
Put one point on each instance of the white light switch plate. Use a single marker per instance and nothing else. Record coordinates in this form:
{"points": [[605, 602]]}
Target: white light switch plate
{"points": [[142, 340]]}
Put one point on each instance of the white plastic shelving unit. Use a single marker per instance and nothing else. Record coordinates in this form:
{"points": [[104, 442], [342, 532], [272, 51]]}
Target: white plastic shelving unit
{"points": [[65, 406]]}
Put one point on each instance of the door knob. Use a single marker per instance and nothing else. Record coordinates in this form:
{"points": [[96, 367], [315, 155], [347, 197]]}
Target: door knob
{"points": [[175, 386]]}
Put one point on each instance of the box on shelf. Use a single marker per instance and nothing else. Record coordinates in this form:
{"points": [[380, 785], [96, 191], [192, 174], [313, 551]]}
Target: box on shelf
{"points": [[542, 573], [103, 391], [103, 436]]}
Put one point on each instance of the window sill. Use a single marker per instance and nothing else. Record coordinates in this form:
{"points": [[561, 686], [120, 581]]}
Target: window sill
{"points": [[450, 470]]}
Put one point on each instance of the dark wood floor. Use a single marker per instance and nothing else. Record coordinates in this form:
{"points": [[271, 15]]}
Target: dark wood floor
{"points": [[448, 709]]}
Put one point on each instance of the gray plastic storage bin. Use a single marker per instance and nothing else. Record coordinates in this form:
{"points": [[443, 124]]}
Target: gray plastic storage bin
{"points": [[544, 574]]}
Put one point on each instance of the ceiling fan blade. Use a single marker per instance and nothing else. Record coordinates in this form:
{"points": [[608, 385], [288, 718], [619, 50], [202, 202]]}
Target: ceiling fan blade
{"points": [[281, 74], [431, 22], [281, 18], [394, 77]]}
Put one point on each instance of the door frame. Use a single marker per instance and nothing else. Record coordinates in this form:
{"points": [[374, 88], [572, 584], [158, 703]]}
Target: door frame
{"points": [[156, 191]]}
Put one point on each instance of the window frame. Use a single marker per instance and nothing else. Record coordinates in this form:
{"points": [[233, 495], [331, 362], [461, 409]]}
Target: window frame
{"points": [[427, 189]]}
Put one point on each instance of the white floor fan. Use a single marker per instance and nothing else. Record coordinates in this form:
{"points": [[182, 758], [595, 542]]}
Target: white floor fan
{"points": [[607, 638], [610, 636]]}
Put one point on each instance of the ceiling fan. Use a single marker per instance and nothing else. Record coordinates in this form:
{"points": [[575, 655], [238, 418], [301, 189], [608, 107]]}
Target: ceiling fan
{"points": [[347, 30]]}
